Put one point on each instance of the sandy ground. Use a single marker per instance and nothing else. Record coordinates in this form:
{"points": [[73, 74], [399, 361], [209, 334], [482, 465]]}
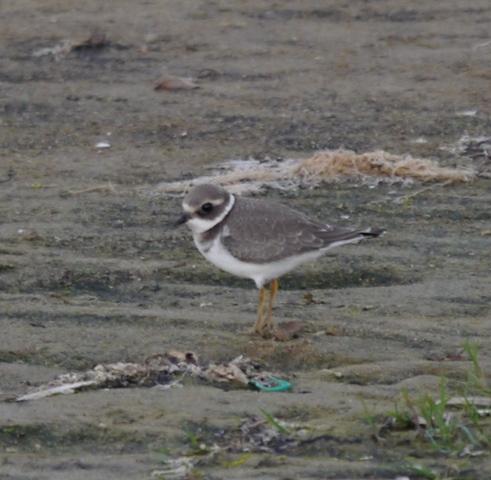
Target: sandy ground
{"points": [[96, 275]]}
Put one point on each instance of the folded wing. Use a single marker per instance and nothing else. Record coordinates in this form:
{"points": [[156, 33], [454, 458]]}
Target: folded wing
{"points": [[260, 232]]}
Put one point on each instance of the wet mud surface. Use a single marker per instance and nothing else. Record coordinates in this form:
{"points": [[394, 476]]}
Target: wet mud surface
{"points": [[90, 271]]}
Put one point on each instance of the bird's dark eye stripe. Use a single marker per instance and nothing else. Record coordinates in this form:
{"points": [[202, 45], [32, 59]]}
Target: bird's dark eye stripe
{"points": [[207, 207]]}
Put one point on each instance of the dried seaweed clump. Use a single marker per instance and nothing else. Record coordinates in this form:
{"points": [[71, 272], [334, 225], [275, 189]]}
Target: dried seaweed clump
{"points": [[162, 370], [334, 164], [243, 176]]}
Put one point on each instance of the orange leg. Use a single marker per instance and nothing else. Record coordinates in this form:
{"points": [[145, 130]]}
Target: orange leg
{"points": [[261, 313], [273, 286], [264, 324]]}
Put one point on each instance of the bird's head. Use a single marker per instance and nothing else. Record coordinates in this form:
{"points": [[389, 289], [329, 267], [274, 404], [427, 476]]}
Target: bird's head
{"points": [[205, 206]]}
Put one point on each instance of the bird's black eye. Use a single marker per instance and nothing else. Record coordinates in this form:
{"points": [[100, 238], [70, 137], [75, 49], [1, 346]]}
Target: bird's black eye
{"points": [[207, 207]]}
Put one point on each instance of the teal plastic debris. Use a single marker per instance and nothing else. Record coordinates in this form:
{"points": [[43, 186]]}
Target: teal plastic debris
{"points": [[270, 384]]}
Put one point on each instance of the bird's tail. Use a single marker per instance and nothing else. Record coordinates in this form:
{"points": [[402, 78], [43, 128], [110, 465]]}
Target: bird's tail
{"points": [[339, 236], [372, 232]]}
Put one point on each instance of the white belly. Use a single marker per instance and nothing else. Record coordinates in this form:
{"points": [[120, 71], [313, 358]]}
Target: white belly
{"points": [[261, 273]]}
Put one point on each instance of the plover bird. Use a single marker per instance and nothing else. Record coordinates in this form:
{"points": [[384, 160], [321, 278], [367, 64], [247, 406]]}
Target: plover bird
{"points": [[258, 239]]}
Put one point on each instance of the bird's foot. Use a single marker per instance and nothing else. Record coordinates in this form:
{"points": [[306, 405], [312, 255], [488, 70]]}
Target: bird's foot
{"points": [[282, 333], [288, 331], [265, 333]]}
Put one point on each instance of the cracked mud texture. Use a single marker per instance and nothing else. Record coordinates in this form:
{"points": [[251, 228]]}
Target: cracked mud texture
{"points": [[99, 276]]}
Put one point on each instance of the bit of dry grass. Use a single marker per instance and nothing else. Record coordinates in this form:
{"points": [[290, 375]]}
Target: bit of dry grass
{"points": [[332, 164], [325, 166]]}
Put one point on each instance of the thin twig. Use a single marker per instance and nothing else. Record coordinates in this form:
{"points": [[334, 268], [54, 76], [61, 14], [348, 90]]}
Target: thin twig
{"points": [[405, 198], [109, 187], [481, 45]]}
